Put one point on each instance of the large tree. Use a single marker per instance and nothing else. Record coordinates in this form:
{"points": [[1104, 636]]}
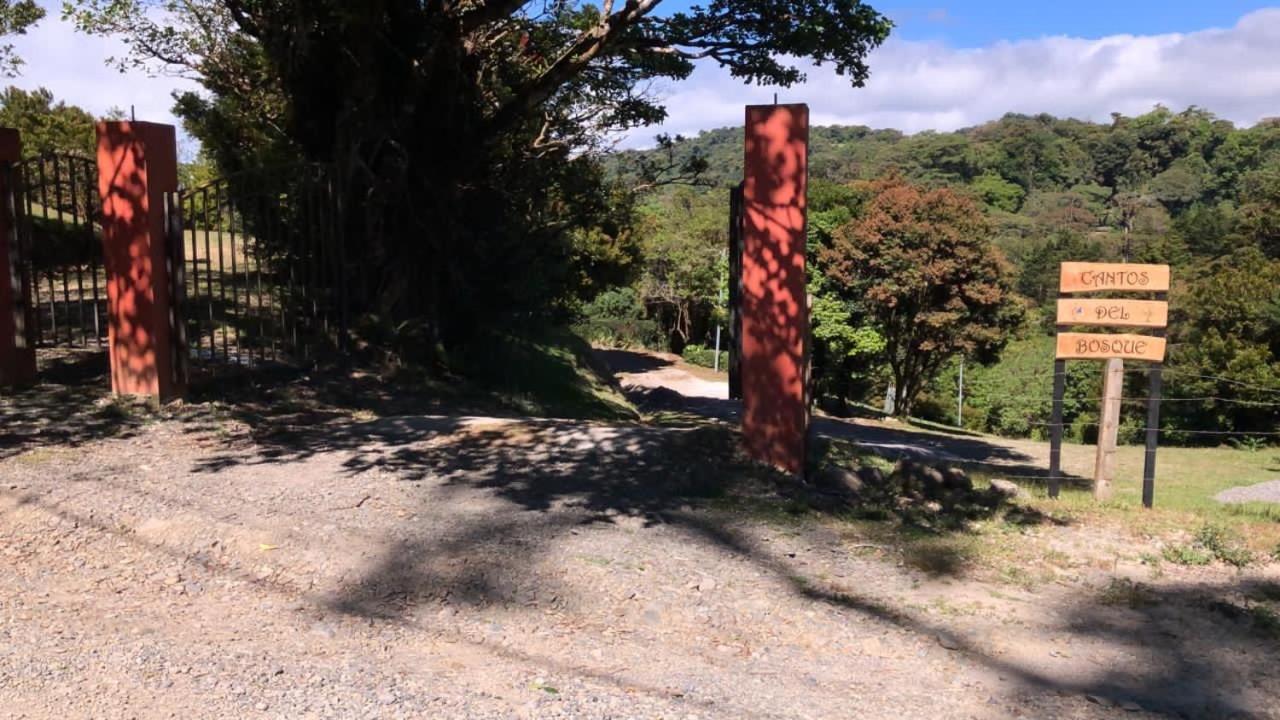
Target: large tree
{"points": [[922, 267], [471, 121], [46, 125]]}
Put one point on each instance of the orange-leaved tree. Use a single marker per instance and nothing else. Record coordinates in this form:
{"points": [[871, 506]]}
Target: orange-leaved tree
{"points": [[919, 263]]}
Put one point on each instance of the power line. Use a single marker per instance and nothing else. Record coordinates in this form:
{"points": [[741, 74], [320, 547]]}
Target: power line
{"points": [[1176, 431], [1218, 378], [979, 381]]}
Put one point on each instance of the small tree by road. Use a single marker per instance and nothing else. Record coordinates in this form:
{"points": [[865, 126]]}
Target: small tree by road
{"points": [[921, 265]]}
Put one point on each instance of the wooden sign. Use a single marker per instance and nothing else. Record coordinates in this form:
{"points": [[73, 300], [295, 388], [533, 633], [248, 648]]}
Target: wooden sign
{"points": [[1080, 277], [1113, 313], [1089, 346]]}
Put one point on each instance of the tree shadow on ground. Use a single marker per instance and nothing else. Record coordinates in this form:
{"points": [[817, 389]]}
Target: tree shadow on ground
{"points": [[551, 477], [627, 361], [968, 451], [1185, 644], [69, 405], [554, 477]]}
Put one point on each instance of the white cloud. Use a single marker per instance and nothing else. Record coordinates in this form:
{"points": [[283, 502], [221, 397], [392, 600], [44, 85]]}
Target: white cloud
{"points": [[918, 86], [914, 86]]}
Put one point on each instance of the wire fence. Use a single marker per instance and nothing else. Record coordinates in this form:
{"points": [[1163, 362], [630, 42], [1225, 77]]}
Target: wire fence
{"points": [[1018, 404]]}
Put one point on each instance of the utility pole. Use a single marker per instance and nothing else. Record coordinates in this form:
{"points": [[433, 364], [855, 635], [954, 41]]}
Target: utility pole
{"points": [[725, 256], [960, 396]]}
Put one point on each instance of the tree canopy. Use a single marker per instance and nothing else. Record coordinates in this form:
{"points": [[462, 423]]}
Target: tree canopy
{"points": [[46, 125], [1179, 187], [469, 128], [920, 265], [16, 17]]}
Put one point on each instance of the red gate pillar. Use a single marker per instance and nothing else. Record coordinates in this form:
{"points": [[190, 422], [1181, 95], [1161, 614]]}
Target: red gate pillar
{"points": [[137, 165], [774, 305], [17, 350]]}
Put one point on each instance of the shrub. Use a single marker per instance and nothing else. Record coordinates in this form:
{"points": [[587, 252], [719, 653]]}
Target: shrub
{"points": [[1224, 545], [1125, 592], [56, 244], [705, 356], [1186, 555], [616, 318], [1212, 542]]}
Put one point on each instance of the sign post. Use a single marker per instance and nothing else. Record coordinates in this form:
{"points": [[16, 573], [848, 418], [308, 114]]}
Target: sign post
{"points": [[1104, 464], [1108, 312]]}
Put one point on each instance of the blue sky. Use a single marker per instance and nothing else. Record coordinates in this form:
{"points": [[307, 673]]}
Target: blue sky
{"points": [[950, 64], [975, 23]]}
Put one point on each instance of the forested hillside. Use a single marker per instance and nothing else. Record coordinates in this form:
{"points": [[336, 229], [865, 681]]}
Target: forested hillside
{"points": [[1186, 188]]}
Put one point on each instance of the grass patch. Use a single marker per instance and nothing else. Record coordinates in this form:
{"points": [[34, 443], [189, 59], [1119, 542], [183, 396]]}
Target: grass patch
{"points": [[1266, 621], [1183, 499], [1187, 479], [1122, 592], [941, 555], [1262, 619], [1211, 542], [1186, 555], [1225, 545], [551, 374]]}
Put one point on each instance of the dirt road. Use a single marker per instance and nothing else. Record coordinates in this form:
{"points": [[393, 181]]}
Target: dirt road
{"points": [[459, 567]]}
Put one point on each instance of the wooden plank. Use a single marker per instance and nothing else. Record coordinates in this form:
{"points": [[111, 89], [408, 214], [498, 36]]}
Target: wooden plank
{"points": [[1104, 465], [1113, 312], [1078, 277], [1090, 346]]}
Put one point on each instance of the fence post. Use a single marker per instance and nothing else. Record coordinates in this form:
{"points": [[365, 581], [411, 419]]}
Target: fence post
{"points": [[17, 346], [137, 166]]}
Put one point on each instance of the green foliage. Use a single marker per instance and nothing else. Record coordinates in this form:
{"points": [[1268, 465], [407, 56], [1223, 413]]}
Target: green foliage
{"points": [[998, 192], [542, 372], [1013, 397], [831, 320], [1266, 620], [1226, 330], [1125, 592], [1247, 443], [684, 272], [1186, 555], [1183, 188], [705, 356], [16, 17], [616, 318], [1211, 542], [467, 135], [920, 265], [1041, 264], [1225, 545], [46, 125]]}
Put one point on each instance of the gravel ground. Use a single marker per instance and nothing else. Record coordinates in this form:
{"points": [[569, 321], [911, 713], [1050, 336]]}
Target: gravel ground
{"points": [[1267, 492], [452, 567]]}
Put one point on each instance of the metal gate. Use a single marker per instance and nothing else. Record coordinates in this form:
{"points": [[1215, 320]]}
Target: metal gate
{"points": [[263, 272], [58, 219]]}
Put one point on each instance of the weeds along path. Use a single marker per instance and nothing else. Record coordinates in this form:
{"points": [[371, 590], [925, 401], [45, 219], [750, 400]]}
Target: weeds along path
{"points": [[475, 567]]}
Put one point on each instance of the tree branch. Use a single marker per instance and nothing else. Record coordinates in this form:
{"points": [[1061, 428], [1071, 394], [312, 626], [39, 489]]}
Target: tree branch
{"points": [[490, 11], [590, 45]]}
